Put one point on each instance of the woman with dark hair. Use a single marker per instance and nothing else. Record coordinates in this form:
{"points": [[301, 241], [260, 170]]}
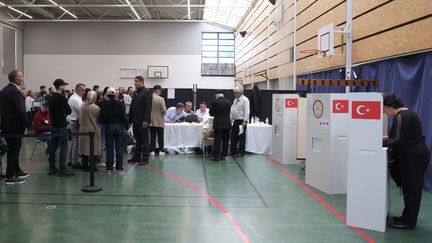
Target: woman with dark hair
{"points": [[410, 158], [113, 117]]}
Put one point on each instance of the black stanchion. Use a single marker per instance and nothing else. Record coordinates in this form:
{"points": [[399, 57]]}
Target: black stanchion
{"points": [[92, 187]]}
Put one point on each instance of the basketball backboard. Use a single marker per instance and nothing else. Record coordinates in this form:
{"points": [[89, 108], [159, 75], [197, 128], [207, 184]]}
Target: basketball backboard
{"points": [[326, 39], [160, 72]]}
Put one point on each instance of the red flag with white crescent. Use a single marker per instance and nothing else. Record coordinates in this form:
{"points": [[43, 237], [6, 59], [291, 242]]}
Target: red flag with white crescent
{"points": [[291, 103], [340, 106], [366, 110]]}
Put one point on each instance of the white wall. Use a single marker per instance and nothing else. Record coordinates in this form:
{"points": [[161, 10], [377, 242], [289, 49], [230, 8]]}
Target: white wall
{"points": [[104, 70], [93, 53]]}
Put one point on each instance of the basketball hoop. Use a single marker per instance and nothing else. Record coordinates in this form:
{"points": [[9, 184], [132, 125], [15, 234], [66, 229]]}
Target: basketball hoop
{"points": [[157, 74], [322, 53]]}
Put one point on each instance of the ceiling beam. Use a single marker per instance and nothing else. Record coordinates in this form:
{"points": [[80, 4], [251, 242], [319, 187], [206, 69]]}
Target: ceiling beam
{"points": [[124, 6]]}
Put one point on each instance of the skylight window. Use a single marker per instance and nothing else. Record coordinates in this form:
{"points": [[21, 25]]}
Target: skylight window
{"points": [[226, 12]]}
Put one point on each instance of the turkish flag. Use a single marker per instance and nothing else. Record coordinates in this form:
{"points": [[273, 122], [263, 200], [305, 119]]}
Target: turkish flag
{"points": [[340, 106], [291, 103], [366, 110]]}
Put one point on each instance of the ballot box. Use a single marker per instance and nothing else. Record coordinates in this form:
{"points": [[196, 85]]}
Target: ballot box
{"points": [[284, 128], [367, 191], [327, 142]]}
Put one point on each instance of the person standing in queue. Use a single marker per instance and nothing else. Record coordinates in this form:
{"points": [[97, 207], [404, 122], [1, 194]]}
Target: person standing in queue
{"points": [[410, 158], [13, 121], [113, 116], [220, 110], [140, 118], [59, 109]]}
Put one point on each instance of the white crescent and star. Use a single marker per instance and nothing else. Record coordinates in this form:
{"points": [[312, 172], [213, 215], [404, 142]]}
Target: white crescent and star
{"points": [[365, 110], [339, 106], [289, 103]]}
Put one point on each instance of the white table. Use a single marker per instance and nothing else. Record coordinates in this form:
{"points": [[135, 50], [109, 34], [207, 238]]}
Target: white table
{"points": [[183, 135], [259, 138]]}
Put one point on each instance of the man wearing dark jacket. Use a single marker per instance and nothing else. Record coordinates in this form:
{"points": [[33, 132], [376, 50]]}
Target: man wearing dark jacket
{"points": [[13, 121], [59, 109], [139, 116], [220, 110]]}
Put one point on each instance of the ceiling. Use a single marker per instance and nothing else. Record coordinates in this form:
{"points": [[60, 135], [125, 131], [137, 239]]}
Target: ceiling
{"points": [[223, 12]]}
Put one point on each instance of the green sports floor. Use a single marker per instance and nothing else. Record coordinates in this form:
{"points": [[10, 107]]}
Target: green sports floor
{"points": [[185, 198]]}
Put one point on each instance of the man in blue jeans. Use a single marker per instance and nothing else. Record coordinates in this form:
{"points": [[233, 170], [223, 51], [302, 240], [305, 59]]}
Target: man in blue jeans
{"points": [[59, 109]]}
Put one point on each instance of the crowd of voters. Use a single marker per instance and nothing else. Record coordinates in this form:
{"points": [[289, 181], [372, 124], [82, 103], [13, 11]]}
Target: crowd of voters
{"points": [[115, 116]]}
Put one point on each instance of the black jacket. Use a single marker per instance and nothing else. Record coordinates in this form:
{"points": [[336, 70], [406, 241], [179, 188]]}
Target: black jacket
{"points": [[141, 105], [220, 110], [13, 111], [113, 111]]}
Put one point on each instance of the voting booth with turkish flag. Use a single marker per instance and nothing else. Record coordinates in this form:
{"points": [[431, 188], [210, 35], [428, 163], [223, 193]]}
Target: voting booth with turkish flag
{"points": [[284, 128], [327, 142], [367, 191]]}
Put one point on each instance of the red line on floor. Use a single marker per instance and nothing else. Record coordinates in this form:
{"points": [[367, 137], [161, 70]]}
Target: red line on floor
{"points": [[203, 193], [319, 199]]}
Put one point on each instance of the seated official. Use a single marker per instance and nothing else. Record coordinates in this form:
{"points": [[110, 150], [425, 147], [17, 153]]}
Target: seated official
{"points": [[175, 114], [203, 112], [188, 108], [42, 124]]}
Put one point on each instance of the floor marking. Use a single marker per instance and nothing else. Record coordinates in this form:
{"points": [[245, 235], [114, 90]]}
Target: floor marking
{"points": [[129, 171], [206, 178], [251, 184], [319, 199], [203, 193]]}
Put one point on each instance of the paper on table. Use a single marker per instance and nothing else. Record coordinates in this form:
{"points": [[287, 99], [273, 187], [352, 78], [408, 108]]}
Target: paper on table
{"points": [[240, 129], [171, 94]]}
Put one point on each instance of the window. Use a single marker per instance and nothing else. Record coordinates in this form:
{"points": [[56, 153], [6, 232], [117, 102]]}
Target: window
{"points": [[217, 54]]}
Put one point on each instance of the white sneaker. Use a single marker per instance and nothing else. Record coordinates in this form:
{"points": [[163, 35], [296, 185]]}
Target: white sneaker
{"points": [[152, 153], [101, 164], [161, 153]]}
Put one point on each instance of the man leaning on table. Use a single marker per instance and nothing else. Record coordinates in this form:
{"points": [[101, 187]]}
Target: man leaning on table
{"points": [[174, 114], [240, 116]]}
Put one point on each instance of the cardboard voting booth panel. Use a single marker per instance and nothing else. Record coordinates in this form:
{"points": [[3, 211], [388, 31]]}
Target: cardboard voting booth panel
{"points": [[367, 196], [327, 142], [284, 125]]}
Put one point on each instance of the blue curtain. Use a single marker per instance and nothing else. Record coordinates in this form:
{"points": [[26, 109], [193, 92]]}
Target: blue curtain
{"points": [[409, 77]]}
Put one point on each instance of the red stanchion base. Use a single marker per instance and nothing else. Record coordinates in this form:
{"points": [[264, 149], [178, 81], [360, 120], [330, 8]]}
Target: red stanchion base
{"points": [[91, 189]]}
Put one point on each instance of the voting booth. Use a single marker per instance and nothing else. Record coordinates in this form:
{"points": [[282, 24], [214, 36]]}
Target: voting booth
{"points": [[367, 195], [284, 128], [327, 142]]}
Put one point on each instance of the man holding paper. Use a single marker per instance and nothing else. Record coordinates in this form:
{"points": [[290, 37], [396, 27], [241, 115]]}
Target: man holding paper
{"points": [[240, 116]]}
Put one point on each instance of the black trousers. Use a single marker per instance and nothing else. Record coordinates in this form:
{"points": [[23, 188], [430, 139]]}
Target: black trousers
{"points": [[141, 136], [238, 139], [14, 147], [412, 165], [221, 137], [159, 131]]}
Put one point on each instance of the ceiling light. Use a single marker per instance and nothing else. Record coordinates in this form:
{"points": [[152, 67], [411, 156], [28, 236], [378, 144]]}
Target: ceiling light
{"points": [[133, 10], [71, 14], [188, 7], [16, 10]]}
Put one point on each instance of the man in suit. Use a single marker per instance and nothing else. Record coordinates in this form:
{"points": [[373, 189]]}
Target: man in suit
{"points": [[220, 110], [13, 121], [140, 117], [157, 121]]}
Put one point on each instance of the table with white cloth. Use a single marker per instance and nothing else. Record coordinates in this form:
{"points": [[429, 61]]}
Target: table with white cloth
{"points": [[183, 135], [259, 138]]}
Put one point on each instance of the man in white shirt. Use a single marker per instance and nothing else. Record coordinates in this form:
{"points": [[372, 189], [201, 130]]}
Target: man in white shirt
{"points": [[75, 102], [239, 116], [203, 112], [127, 99]]}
